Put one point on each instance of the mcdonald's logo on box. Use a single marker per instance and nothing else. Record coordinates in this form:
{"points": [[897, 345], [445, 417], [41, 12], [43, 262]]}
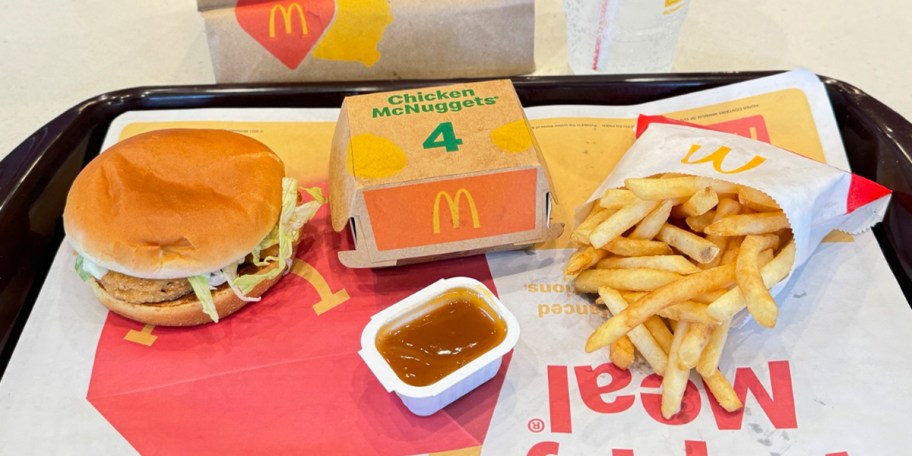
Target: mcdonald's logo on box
{"points": [[438, 172], [453, 210]]}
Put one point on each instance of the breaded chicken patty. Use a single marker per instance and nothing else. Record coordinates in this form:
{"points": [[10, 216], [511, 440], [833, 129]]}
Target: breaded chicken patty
{"points": [[138, 290]]}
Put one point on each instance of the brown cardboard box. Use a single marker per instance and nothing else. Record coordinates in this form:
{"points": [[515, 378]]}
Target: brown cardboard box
{"points": [[437, 172], [318, 40]]}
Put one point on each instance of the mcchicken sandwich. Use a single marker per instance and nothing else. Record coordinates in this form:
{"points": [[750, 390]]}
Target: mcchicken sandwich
{"points": [[182, 227]]}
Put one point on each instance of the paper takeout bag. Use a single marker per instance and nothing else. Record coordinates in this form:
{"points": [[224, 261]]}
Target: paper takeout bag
{"points": [[815, 197], [346, 40]]}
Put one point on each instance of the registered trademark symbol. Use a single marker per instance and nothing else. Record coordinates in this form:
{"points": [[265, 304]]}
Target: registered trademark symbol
{"points": [[536, 425]]}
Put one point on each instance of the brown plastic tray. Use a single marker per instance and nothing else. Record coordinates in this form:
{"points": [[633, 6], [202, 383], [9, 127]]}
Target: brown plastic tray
{"points": [[35, 177]]}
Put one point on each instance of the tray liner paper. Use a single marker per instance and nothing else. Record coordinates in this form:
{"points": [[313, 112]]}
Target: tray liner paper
{"points": [[341, 40], [282, 375]]}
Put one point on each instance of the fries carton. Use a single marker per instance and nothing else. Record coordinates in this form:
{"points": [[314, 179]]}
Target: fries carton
{"points": [[816, 198], [437, 172]]}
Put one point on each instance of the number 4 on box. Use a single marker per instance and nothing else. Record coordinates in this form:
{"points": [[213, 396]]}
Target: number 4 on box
{"points": [[443, 136]]}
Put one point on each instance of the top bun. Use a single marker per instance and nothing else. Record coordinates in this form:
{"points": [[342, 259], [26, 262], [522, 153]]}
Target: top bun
{"points": [[174, 203]]}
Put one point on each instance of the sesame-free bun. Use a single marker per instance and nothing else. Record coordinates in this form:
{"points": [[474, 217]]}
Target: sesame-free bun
{"points": [[174, 203]]}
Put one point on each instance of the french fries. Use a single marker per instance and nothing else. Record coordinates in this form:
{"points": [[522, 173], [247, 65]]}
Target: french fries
{"points": [[691, 348], [590, 280], [700, 249], [583, 259], [641, 337], [673, 292], [619, 222], [622, 353], [581, 233], [756, 200], [674, 258], [637, 247], [671, 263], [747, 272], [693, 312], [712, 352], [744, 224], [649, 227], [698, 223], [700, 203], [727, 305], [674, 382], [616, 198]]}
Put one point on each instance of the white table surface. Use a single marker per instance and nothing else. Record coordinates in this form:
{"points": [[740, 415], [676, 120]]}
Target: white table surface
{"points": [[58, 53]]}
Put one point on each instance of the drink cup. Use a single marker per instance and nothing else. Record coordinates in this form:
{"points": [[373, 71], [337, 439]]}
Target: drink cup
{"points": [[623, 36]]}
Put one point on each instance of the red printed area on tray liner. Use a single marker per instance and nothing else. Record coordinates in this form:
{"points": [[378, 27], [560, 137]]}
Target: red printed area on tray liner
{"points": [[753, 127], [276, 375]]}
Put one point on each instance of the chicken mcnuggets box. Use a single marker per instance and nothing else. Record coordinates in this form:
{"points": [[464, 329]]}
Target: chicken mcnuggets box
{"points": [[437, 172]]}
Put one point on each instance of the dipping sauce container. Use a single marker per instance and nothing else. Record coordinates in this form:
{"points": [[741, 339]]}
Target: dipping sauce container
{"points": [[438, 344]]}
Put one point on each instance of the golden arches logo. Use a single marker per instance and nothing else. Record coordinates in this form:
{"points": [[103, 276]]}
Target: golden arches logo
{"points": [[453, 204], [286, 18], [717, 157]]}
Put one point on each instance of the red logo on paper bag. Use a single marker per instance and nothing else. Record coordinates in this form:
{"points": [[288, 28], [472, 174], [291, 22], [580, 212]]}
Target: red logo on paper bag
{"points": [[288, 29], [283, 375]]}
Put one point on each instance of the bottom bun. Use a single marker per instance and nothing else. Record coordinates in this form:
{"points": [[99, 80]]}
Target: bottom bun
{"points": [[186, 310]]}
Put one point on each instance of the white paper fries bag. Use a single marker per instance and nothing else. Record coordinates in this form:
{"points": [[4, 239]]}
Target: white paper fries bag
{"points": [[815, 197]]}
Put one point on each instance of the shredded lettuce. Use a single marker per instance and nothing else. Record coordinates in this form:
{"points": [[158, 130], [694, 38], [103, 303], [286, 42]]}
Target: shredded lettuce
{"points": [[230, 273], [292, 218], [270, 240], [80, 269], [316, 193], [201, 289]]}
